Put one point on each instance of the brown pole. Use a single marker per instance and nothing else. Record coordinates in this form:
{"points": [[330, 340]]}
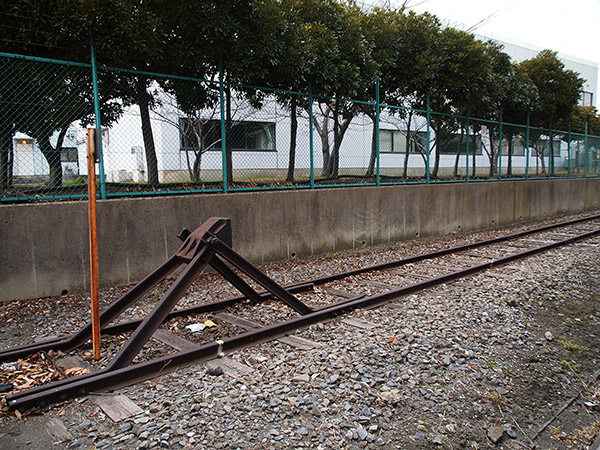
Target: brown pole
{"points": [[93, 238]]}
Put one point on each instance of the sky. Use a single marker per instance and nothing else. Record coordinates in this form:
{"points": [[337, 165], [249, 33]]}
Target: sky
{"points": [[571, 27]]}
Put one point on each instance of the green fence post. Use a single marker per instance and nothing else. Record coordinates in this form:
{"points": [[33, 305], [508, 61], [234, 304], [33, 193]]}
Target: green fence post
{"points": [[550, 153], [468, 139], [500, 147], [377, 132], [585, 151], [569, 153], [428, 139], [527, 144], [223, 137], [310, 135], [98, 121]]}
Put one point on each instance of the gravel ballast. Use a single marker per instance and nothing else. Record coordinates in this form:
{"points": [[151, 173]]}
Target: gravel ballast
{"points": [[482, 363]]}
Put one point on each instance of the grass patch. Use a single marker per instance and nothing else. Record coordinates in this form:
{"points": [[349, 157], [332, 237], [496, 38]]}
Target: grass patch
{"points": [[572, 346]]}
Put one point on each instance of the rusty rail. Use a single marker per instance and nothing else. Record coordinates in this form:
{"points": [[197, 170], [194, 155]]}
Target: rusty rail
{"points": [[211, 244]]}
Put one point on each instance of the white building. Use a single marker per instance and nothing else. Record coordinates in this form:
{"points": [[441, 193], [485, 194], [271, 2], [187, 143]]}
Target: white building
{"points": [[261, 141]]}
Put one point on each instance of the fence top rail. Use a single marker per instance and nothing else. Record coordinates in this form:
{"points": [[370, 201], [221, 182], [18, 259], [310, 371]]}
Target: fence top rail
{"points": [[45, 60], [276, 90]]}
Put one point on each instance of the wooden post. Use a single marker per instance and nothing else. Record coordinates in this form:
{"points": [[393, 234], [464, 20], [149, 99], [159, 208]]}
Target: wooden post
{"points": [[93, 239]]}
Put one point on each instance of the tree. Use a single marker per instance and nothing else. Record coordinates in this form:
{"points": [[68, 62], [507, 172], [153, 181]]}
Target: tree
{"points": [[62, 29], [520, 99], [339, 66], [412, 74], [583, 115], [401, 44], [289, 52], [559, 90], [460, 77], [192, 108], [382, 31]]}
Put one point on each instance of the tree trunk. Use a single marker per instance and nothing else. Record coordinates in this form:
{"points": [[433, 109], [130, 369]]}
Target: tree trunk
{"points": [[143, 99], [197, 166], [436, 161], [228, 128], [293, 136], [474, 163], [493, 157], [407, 145], [331, 161], [338, 136], [332, 168], [510, 154], [6, 156], [335, 157], [542, 161], [457, 160], [52, 155], [323, 131], [551, 157], [373, 157]]}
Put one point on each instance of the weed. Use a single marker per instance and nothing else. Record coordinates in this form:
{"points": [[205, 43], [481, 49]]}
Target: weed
{"points": [[572, 365], [490, 363], [572, 346], [554, 431], [494, 398], [77, 181]]}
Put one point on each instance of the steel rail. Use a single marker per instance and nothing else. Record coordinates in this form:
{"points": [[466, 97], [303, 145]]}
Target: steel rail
{"points": [[69, 342], [110, 379]]}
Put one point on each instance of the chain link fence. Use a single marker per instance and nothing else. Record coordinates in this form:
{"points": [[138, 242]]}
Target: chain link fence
{"points": [[167, 134]]}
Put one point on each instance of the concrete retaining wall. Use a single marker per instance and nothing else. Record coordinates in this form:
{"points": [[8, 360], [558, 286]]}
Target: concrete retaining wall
{"points": [[44, 247]]}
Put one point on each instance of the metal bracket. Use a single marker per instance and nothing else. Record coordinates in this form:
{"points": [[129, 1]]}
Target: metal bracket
{"points": [[198, 250]]}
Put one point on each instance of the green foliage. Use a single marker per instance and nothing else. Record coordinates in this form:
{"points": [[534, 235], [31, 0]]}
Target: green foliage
{"points": [[572, 346], [582, 115], [282, 44], [570, 365], [558, 88]]}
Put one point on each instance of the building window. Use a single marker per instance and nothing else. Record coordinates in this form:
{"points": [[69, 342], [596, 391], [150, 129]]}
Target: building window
{"points": [[586, 99], [518, 146], [245, 136], [452, 143], [394, 141], [542, 147], [69, 154]]}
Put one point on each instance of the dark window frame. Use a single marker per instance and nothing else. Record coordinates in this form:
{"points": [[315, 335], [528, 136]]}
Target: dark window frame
{"points": [[242, 134]]}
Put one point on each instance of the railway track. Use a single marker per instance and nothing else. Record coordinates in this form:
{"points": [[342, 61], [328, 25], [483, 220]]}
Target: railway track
{"points": [[291, 307]]}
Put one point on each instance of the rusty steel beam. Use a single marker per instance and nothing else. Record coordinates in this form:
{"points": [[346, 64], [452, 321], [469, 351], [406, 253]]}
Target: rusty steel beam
{"points": [[70, 342], [249, 269], [198, 251], [111, 379]]}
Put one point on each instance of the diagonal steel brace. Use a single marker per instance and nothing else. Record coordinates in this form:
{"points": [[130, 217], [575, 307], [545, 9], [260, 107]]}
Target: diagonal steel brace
{"points": [[197, 254]]}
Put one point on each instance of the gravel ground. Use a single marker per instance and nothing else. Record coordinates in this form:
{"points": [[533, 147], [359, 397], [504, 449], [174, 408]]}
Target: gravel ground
{"points": [[481, 363]]}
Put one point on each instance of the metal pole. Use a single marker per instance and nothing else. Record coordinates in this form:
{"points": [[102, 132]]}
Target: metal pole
{"points": [[550, 152], [377, 132], [310, 135], [468, 139], [93, 241], [428, 139], [98, 121], [585, 151], [500, 147], [223, 137], [569, 153], [527, 144]]}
